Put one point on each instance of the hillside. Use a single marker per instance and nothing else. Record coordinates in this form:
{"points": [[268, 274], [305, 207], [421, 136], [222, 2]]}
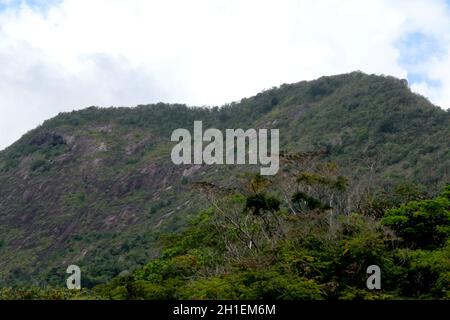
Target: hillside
{"points": [[97, 187]]}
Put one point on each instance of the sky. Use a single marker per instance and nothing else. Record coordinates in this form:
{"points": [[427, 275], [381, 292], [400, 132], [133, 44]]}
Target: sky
{"points": [[63, 55]]}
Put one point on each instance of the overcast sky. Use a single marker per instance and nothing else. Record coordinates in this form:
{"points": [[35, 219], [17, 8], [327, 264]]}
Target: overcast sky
{"points": [[62, 55]]}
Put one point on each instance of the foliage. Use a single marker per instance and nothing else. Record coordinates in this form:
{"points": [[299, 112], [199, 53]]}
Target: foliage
{"points": [[307, 262], [422, 224]]}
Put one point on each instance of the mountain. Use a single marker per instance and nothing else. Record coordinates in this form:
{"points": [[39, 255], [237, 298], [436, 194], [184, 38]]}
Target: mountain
{"points": [[97, 187]]}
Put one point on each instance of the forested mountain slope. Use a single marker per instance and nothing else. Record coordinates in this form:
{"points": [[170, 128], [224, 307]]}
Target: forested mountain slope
{"points": [[97, 187]]}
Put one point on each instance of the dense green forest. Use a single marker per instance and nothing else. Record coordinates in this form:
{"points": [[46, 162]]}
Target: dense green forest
{"points": [[252, 244], [364, 180]]}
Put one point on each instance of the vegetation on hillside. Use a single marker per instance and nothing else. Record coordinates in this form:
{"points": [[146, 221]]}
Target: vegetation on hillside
{"points": [[252, 244], [257, 242], [97, 188]]}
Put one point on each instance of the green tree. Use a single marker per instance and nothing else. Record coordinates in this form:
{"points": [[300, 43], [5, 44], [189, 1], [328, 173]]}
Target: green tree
{"points": [[422, 224]]}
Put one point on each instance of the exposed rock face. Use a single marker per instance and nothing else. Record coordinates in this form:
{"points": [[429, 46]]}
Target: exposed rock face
{"points": [[50, 138], [192, 170]]}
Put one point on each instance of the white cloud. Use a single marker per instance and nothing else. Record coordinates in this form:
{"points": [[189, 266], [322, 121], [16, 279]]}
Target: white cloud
{"points": [[77, 53]]}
